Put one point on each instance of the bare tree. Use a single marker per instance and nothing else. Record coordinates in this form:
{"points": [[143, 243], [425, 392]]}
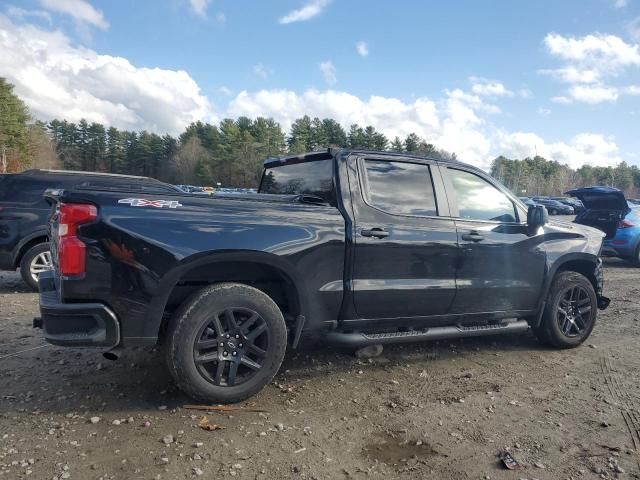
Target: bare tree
{"points": [[185, 162], [43, 149]]}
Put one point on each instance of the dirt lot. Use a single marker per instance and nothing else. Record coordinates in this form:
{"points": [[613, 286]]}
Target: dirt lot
{"points": [[433, 410]]}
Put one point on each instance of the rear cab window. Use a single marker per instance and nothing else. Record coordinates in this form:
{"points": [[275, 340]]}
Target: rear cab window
{"points": [[304, 178]]}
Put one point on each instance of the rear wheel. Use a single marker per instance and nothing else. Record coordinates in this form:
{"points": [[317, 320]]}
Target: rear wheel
{"points": [[570, 313], [225, 343], [35, 261]]}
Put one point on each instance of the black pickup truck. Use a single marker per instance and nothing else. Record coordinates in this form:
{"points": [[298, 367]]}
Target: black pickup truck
{"points": [[351, 247]]}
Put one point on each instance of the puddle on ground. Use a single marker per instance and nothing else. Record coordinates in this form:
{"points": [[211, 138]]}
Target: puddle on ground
{"points": [[397, 449]]}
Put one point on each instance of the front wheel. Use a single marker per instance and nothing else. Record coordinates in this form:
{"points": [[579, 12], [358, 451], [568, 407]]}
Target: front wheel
{"points": [[570, 313], [35, 261], [225, 343], [553, 211]]}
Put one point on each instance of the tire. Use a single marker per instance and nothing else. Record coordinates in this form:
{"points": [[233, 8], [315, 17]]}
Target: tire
{"points": [[553, 211], [36, 259], [568, 331], [229, 327]]}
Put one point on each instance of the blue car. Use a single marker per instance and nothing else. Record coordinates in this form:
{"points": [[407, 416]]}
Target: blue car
{"points": [[626, 241], [607, 209]]}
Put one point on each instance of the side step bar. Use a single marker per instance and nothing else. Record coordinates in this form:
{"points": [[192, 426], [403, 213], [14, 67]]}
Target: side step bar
{"points": [[359, 339]]}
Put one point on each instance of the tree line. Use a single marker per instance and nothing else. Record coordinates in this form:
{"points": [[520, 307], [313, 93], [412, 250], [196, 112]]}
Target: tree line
{"points": [[231, 153], [539, 176]]}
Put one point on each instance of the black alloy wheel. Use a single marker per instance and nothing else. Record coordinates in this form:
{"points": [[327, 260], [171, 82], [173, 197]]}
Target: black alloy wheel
{"points": [[570, 311], [574, 311], [225, 342], [231, 347]]}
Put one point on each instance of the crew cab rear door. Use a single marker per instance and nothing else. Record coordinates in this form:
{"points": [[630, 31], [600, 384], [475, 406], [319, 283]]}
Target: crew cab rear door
{"points": [[405, 241], [501, 268]]}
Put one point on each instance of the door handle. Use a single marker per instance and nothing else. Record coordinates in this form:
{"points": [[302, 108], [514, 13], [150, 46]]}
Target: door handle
{"points": [[374, 232], [473, 237]]}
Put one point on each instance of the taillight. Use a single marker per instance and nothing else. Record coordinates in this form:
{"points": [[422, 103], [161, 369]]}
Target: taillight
{"points": [[71, 250], [625, 224]]}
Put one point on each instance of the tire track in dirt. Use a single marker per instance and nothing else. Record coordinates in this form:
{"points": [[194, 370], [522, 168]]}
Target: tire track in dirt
{"points": [[623, 400]]}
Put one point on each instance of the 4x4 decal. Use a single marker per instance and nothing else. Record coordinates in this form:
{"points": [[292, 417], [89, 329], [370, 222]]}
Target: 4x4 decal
{"points": [[141, 202]]}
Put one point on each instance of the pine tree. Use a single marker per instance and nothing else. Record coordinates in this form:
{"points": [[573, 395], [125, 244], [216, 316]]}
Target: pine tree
{"points": [[15, 151], [412, 143], [356, 137], [301, 136], [397, 145]]}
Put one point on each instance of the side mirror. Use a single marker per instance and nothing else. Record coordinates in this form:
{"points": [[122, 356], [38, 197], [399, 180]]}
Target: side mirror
{"points": [[537, 217]]}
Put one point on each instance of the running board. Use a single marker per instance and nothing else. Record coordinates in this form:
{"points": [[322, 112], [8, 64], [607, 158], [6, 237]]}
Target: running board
{"points": [[360, 339]]}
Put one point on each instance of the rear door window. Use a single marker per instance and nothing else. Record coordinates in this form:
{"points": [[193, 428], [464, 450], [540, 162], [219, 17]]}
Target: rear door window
{"points": [[477, 199], [400, 188]]}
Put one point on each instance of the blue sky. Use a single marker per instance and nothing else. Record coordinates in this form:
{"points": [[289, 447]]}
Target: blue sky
{"points": [[477, 78]]}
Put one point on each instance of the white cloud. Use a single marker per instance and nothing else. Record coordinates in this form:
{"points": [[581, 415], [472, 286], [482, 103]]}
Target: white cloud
{"points": [[81, 11], [199, 7], [561, 99], [632, 90], [525, 93], [606, 54], [21, 13], [221, 18], [545, 112], [307, 12], [362, 48], [489, 88], [225, 91], [572, 75], [262, 71], [328, 72], [59, 80], [582, 149], [589, 62], [620, 3], [593, 94]]}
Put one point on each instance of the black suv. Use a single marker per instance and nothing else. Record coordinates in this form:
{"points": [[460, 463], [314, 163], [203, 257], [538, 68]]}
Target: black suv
{"points": [[23, 213]]}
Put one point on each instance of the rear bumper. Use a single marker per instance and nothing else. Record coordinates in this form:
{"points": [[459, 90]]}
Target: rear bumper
{"points": [[619, 247], [74, 324]]}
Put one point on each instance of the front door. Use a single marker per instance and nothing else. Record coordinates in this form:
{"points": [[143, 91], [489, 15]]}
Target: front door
{"points": [[405, 242], [501, 268]]}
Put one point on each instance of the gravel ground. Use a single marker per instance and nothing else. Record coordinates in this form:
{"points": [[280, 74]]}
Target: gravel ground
{"points": [[432, 410]]}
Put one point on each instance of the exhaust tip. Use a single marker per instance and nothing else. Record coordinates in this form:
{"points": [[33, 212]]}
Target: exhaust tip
{"points": [[112, 355]]}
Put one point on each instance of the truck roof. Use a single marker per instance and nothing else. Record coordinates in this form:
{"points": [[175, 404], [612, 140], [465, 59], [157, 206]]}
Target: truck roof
{"points": [[333, 152]]}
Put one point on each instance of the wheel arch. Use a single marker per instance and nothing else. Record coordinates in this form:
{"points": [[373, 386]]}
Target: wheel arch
{"points": [[28, 242], [267, 272], [580, 262]]}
